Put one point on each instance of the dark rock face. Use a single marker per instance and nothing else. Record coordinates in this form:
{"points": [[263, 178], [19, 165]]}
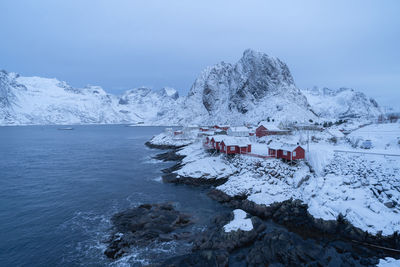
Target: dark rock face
{"points": [[144, 224], [151, 145], [169, 156], [173, 178], [249, 80], [287, 249]]}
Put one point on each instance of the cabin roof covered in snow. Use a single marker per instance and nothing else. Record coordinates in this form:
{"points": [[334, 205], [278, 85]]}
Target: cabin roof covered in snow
{"points": [[236, 141], [238, 129], [286, 147], [269, 126], [218, 138]]}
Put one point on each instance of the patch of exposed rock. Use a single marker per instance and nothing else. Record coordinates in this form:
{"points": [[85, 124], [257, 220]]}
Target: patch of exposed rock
{"points": [[171, 177], [169, 156]]}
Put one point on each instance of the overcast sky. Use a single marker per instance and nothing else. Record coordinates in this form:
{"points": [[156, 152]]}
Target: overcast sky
{"points": [[122, 44]]}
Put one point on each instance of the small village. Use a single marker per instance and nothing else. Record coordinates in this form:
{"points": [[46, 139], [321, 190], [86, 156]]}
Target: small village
{"points": [[266, 140], [240, 140], [349, 168]]}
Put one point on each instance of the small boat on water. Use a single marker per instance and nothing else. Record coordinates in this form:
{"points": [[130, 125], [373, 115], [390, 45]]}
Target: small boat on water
{"points": [[65, 128]]}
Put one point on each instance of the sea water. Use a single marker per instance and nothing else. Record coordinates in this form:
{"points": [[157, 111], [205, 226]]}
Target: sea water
{"points": [[59, 189]]}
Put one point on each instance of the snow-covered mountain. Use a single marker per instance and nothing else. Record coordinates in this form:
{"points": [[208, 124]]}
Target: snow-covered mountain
{"points": [[147, 104], [35, 100], [255, 88], [342, 103]]}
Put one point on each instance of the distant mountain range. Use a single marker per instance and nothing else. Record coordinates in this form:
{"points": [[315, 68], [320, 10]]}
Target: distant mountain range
{"points": [[255, 88]]}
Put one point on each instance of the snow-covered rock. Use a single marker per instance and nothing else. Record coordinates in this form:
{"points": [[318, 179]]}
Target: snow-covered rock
{"points": [[239, 222], [389, 262], [169, 92], [342, 103]]}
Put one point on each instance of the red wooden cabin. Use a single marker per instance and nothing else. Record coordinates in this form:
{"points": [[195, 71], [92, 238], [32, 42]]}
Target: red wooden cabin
{"points": [[268, 129], [215, 142], [235, 146], [288, 152], [177, 133], [207, 140]]}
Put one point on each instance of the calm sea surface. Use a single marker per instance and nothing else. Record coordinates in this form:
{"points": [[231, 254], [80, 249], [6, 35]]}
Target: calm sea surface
{"points": [[59, 189]]}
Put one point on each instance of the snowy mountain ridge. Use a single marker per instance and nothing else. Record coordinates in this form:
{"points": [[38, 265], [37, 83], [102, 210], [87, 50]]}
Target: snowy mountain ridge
{"points": [[342, 103], [36, 100], [255, 88]]}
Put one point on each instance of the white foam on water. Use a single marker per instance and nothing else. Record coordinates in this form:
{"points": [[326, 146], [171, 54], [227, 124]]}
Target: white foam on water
{"points": [[158, 179]]}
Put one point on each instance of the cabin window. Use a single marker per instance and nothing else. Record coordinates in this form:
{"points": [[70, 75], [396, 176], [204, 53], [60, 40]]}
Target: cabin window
{"points": [[285, 153], [232, 149], [294, 153]]}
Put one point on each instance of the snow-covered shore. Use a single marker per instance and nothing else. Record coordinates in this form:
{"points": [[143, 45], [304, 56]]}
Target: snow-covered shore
{"points": [[364, 188], [329, 196]]}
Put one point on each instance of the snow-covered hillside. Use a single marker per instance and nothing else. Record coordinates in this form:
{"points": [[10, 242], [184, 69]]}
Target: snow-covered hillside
{"points": [[343, 103]]}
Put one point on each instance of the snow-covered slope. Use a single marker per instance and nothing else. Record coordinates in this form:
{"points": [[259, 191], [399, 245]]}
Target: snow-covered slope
{"points": [[256, 87], [35, 100], [343, 103]]}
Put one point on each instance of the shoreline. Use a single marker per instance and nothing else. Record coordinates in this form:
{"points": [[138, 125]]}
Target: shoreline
{"points": [[293, 215]]}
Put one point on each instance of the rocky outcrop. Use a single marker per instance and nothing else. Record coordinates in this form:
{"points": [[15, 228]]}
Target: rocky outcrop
{"points": [[256, 87], [162, 147], [293, 214], [171, 155], [267, 245], [175, 179], [144, 224]]}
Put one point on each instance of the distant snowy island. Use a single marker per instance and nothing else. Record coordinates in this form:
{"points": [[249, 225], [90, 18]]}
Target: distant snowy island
{"points": [[255, 88]]}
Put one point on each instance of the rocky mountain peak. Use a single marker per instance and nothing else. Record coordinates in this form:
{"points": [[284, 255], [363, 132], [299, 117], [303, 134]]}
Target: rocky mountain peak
{"points": [[169, 92], [245, 86]]}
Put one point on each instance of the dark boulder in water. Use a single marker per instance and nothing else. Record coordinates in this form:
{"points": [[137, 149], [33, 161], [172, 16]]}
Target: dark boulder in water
{"points": [[144, 224]]}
